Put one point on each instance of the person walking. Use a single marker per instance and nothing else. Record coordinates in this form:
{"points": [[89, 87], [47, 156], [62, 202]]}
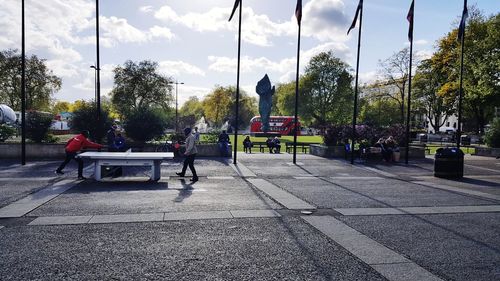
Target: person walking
{"points": [[190, 155], [196, 135], [74, 145]]}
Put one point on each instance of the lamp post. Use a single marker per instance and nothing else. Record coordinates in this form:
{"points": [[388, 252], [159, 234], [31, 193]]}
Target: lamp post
{"points": [[95, 89], [176, 104]]}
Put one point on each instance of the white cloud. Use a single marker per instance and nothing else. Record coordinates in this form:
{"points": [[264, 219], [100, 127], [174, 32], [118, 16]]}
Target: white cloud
{"points": [[325, 20], [160, 32], [176, 68], [421, 42], [146, 9], [120, 30], [187, 91]]}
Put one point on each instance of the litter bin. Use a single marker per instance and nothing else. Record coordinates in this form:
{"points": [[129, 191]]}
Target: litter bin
{"points": [[449, 163], [465, 139]]}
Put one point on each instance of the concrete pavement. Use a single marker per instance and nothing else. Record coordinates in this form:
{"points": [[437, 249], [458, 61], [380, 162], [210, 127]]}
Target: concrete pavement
{"points": [[262, 219]]}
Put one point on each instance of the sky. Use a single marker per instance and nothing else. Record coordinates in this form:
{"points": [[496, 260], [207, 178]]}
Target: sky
{"points": [[194, 43]]}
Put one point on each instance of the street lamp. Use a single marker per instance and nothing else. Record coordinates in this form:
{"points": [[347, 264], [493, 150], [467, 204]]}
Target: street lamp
{"points": [[95, 89], [176, 105]]}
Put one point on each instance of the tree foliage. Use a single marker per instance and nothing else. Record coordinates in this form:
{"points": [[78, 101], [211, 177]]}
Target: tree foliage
{"points": [[145, 124], [41, 83], [37, 125], [84, 118], [139, 85]]}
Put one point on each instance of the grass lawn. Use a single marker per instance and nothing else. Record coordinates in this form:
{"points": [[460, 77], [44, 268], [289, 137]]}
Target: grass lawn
{"points": [[308, 139], [465, 149]]}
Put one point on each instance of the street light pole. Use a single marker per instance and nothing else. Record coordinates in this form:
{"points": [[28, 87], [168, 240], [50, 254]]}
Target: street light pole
{"points": [[176, 104], [95, 86]]}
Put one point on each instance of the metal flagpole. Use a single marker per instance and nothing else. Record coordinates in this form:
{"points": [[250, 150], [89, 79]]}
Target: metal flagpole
{"points": [[98, 101], [298, 14], [460, 93], [412, 8], [240, 2], [355, 113], [23, 88]]}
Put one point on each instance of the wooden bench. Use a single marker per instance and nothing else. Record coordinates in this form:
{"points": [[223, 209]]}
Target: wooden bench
{"points": [[304, 146], [370, 152], [152, 159], [261, 144]]}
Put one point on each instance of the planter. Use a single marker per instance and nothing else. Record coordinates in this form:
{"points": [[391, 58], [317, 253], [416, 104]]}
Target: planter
{"points": [[327, 151], [487, 151], [395, 156]]}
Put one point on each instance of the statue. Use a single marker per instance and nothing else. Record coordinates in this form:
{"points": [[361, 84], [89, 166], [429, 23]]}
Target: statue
{"points": [[265, 92]]}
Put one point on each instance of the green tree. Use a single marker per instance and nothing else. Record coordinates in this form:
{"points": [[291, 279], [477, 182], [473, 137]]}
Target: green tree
{"points": [[481, 79], [139, 85], [41, 83], [60, 106], [84, 118], [192, 109], [326, 90], [395, 71], [216, 105], [144, 124], [285, 102]]}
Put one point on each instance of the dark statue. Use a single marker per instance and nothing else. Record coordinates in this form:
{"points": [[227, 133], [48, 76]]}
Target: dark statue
{"points": [[266, 92]]}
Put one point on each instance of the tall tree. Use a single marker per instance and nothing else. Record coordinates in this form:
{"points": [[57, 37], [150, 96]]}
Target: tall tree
{"points": [[41, 83], [327, 91], [394, 71], [216, 105], [285, 102], [427, 83], [140, 85], [60, 106]]}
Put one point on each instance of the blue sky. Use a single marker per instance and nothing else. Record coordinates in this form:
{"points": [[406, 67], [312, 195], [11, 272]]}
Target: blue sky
{"points": [[194, 43]]}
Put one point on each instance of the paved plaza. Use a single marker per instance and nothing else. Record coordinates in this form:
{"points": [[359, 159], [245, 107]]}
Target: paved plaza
{"points": [[262, 219]]}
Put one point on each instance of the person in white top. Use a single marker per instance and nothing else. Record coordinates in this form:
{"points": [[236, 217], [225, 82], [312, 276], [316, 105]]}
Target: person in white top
{"points": [[196, 135], [190, 155]]}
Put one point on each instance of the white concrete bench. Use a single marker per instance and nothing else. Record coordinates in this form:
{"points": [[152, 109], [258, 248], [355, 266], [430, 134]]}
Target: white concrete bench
{"points": [[152, 159]]}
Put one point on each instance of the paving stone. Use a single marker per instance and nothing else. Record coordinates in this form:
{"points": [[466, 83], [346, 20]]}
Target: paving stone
{"points": [[61, 220], [127, 218], [405, 272], [288, 200], [197, 215], [254, 213]]}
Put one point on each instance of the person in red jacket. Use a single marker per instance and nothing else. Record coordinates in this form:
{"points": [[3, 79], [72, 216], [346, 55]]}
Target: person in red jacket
{"points": [[74, 145]]}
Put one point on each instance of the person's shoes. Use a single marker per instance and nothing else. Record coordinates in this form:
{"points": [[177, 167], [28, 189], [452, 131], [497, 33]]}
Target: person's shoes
{"points": [[194, 179], [57, 172], [180, 174], [81, 178]]}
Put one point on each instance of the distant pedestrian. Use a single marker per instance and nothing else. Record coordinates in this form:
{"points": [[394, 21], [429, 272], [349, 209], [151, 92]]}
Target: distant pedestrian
{"points": [[247, 145], [190, 155], [196, 135], [119, 143], [75, 144], [223, 144], [110, 137]]}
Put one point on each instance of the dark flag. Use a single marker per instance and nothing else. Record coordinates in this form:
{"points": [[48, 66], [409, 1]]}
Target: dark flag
{"points": [[298, 11], [236, 3], [353, 24], [461, 28], [409, 17]]}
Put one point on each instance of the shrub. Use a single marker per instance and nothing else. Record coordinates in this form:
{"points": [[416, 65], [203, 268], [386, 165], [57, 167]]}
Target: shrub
{"points": [[37, 125], [84, 118], [212, 136], [145, 124], [492, 137], [6, 132]]}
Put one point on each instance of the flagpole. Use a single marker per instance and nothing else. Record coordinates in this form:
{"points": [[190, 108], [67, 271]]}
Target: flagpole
{"points": [[460, 93], [409, 86], [237, 88], [296, 121], [23, 88], [355, 113]]}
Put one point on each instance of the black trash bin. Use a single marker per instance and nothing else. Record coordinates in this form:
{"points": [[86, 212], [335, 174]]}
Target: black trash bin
{"points": [[449, 163], [465, 140]]}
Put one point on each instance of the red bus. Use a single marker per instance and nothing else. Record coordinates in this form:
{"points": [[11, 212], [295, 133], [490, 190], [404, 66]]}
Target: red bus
{"points": [[282, 125]]}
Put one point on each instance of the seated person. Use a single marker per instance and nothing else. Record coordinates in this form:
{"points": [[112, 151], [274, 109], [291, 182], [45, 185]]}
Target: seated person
{"points": [[277, 145], [223, 143], [386, 154], [270, 144], [247, 145]]}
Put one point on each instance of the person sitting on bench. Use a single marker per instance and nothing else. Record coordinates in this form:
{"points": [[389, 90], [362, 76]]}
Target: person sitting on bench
{"points": [[277, 145], [247, 145], [270, 144]]}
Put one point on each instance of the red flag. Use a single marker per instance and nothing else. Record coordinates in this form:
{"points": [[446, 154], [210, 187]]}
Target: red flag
{"points": [[353, 25], [298, 11], [465, 15], [409, 17], [236, 3]]}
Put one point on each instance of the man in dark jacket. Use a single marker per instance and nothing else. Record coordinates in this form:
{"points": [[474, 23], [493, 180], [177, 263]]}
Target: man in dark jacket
{"points": [[74, 145], [223, 143]]}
